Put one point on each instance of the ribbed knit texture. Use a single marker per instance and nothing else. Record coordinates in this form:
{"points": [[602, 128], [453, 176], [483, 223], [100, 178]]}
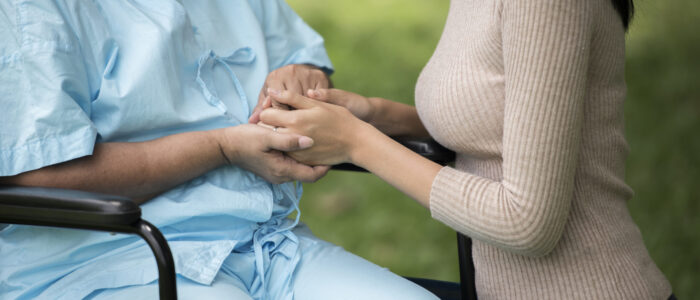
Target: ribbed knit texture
{"points": [[530, 95]]}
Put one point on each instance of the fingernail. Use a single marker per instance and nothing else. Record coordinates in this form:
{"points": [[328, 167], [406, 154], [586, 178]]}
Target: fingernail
{"points": [[311, 93], [305, 142], [273, 92]]}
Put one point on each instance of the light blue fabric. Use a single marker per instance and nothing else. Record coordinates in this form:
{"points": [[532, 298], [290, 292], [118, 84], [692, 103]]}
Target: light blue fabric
{"points": [[73, 73], [325, 272]]}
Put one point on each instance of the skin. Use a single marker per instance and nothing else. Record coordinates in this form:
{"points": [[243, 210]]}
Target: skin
{"points": [[347, 127], [142, 170], [296, 79]]}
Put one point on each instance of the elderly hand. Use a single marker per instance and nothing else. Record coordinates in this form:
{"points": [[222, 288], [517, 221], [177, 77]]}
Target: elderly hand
{"points": [[360, 106], [335, 131], [260, 150], [295, 78]]}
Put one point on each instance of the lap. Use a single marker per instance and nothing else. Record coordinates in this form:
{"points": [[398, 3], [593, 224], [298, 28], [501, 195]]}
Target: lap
{"points": [[223, 287], [325, 271]]}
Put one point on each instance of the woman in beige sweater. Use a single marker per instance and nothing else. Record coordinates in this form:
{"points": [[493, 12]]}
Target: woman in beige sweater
{"points": [[530, 95]]}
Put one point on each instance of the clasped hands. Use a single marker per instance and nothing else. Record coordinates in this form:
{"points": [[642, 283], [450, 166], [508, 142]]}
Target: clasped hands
{"points": [[309, 127]]}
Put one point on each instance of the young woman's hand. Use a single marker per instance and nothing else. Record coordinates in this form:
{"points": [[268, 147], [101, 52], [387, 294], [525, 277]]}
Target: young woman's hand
{"points": [[260, 150], [335, 131], [295, 78], [391, 118], [360, 106]]}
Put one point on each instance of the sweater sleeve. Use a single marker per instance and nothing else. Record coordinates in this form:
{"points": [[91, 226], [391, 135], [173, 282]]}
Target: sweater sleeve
{"points": [[546, 47]]}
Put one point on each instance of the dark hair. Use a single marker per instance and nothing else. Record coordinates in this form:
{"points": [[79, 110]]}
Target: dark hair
{"points": [[626, 9]]}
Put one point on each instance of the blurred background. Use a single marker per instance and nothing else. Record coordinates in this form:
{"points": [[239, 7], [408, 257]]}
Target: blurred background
{"points": [[379, 48]]}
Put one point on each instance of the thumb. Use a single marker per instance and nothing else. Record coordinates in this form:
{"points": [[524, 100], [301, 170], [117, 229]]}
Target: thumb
{"points": [[288, 142]]}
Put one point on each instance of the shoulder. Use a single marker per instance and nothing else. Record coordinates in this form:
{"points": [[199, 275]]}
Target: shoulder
{"points": [[10, 41], [543, 9], [563, 19]]}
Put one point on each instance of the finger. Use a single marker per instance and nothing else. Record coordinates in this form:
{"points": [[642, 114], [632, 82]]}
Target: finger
{"points": [[330, 94], [254, 117], [277, 173], [313, 94], [281, 130], [281, 86], [255, 114], [333, 96], [293, 86], [282, 118], [262, 95], [323, 83], [278, 105], [318, 172], [303, 172], [321, 170], [268, 103], [294, 100], [308, 83], [288, 142], [274, 104], [266, 126]]}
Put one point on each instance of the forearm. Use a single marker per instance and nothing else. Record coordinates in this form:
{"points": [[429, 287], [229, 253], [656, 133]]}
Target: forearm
{"points": [[137, 170], [402, 168], [396, 119]]}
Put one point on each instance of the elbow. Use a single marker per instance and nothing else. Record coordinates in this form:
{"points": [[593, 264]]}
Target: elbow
{"points": [[536, 231], [536, 240], [531, 227], [541, 237], [538, 246]]}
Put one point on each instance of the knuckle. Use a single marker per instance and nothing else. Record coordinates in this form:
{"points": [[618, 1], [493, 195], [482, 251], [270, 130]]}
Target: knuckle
{"points": [[317, 72], [293, 120], [277, 173], [290, 144]]}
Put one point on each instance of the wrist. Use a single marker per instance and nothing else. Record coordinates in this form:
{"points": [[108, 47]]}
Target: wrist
{"points": [[220, 139], [374, 109], [363, 141]]}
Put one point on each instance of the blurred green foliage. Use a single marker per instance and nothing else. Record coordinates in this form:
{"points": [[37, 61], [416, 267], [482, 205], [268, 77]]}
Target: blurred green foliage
{"points": [[379, 48]]}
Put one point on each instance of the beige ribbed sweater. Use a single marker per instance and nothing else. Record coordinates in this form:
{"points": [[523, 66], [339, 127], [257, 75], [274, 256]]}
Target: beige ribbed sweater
{"points": [[530, 95]]}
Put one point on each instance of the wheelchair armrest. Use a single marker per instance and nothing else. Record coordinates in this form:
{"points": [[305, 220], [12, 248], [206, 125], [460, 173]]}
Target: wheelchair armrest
{"points": [[92, 211], [66, 208], [426, 147]]}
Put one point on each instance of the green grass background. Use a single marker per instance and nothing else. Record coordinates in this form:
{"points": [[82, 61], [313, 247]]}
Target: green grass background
{"points": [[379, 48]]}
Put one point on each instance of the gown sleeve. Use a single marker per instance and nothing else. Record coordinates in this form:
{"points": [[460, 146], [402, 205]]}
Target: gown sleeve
{"points": [[289, 39], [45, 92], [546, 48]]}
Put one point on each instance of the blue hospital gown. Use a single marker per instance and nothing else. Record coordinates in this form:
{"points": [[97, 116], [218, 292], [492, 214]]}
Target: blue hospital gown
{"points": [[75, 73]]}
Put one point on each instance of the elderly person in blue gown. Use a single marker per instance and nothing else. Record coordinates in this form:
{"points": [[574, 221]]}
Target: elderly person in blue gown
{"points": [[151, 100]]}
